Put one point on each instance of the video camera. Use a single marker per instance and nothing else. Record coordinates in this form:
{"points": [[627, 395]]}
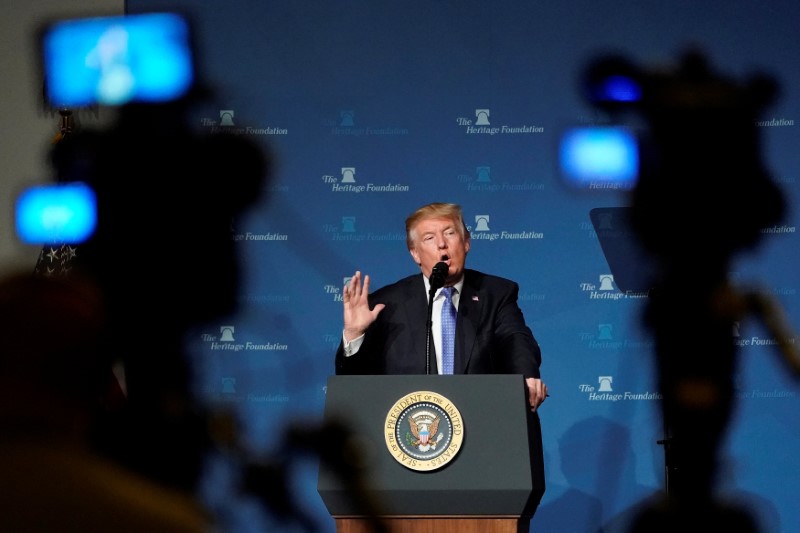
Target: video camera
{"points": [[101, 61]]}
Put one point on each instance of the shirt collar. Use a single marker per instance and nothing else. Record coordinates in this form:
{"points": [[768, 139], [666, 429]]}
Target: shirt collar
{"points": [[458, 286]]}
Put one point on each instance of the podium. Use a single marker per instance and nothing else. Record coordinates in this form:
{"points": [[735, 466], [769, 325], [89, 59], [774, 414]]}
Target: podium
{"points": [[492, 482]]}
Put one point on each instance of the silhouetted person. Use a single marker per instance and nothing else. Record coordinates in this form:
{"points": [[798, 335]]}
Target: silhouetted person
{"points": [[53, 379]]}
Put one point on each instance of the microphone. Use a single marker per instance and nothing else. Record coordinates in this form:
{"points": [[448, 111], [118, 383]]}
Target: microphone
{"points": [[437, 279], [438, 276]]}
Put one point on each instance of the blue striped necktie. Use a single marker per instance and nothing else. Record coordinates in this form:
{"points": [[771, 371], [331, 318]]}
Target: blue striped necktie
{"points": [[448, 331]]}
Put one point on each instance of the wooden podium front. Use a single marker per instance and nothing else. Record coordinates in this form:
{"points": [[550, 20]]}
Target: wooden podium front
{"points": [[433, 524], [492, 484]]}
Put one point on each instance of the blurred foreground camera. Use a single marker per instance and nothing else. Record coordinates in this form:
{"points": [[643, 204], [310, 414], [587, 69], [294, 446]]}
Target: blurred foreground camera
{"points": [[112, 61], [116, 60]]}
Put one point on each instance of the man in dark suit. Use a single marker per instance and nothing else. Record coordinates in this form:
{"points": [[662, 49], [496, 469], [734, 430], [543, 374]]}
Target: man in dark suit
{"points": [[386, 332]]}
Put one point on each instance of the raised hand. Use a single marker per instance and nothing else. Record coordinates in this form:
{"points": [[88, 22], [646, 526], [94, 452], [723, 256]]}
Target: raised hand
{"points": [[357, 314]]}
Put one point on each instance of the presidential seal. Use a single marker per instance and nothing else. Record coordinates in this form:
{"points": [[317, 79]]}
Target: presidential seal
{"points": [[424, 431]]}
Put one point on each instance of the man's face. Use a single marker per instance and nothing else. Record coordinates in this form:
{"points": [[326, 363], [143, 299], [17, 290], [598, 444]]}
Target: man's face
{"points": [[439, 239]]}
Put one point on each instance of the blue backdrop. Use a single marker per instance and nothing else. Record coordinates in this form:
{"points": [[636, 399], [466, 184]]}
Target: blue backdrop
{"points": [[373, 108]]}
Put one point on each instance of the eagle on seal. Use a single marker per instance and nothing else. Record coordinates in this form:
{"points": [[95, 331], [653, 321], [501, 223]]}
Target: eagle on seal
{"points": [[424, 433]]}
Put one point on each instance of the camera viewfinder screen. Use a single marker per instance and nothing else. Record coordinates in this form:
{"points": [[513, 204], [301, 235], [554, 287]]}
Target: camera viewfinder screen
{"points": [[116, 60], [596, 156], [50, 214]]}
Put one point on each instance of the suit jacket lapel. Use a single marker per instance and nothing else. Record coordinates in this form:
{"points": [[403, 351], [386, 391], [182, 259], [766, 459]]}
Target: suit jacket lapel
{"points": [[470, 307]]}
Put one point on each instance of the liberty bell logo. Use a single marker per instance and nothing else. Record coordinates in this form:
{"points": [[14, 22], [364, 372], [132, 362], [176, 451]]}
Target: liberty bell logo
{"points": [[226, 333]]}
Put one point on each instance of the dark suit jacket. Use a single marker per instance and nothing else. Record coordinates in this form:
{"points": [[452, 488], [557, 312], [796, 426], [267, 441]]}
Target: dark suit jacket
{"points": [[491, 335]]}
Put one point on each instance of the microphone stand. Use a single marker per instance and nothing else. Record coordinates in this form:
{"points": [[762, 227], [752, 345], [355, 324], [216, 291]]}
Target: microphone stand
{"points": [[429, 330]]}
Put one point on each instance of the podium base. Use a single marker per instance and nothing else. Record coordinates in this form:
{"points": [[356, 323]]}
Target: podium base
{"points": [[434, 524]]}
